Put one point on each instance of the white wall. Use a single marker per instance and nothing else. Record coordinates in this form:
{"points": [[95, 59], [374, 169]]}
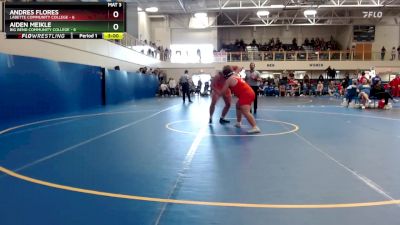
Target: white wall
{"points": [[182, 34], [344, 36], [192, 36], [90, 52], [386, 35], [174, 29], [160, 31], [132, 19], [144, 26]]}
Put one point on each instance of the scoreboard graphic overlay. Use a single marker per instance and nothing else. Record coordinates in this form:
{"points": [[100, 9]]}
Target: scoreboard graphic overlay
{"points": [[56, 20]]}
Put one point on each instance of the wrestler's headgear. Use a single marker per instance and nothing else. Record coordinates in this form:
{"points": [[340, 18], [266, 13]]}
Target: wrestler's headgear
{"points": [[227, 71]]}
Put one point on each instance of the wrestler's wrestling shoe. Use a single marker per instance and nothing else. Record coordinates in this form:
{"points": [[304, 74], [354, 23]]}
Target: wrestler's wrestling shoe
{"points": [[254, 130], [223, 121]]}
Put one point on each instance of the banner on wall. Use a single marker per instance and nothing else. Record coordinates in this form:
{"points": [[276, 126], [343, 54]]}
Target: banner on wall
{"points": [[220, 57]]}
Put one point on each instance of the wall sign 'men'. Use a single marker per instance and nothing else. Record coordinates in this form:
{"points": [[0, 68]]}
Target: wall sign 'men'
{"points": [[372, 14]]}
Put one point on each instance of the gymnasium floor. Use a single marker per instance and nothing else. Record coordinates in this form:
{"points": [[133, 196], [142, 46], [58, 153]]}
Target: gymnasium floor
{"points": [[159, 162]]}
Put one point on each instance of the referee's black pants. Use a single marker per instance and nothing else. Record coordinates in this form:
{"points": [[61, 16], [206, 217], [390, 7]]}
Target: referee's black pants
{"points": [[186, 91], [255, 89]]}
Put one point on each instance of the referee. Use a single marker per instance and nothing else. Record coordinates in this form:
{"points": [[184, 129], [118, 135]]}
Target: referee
{"points": [[252, 78], [184, 82]]}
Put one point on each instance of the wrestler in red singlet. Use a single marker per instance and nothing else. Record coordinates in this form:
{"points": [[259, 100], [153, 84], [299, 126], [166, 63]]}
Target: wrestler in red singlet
{"points": [[217, 84], [245, 96], [243, 91]]}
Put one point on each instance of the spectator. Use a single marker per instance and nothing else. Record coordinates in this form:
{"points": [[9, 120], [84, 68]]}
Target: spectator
{"points": [[331, 88], [172, 86], [206, 88], [351, 92], [383, 51], [306, 42], [340, 89], [393, 53], [379, 92], [329, 72], [398, 52], [199, 86], [282, 86], [321, 78], [362, 78], [164, 90], [199, 54], [320, 88], [364, 94], [306, 88], [167, 53], [395, 86], [161, 76], [353, 52], [376, 79], [273, 45], [346, 81]]}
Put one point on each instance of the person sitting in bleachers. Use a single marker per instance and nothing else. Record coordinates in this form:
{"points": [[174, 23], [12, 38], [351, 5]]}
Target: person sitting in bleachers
{"points": [[379, 92], [172, 86], [340, 89], [364, 93], [206, 89], [294, 88], [164, 90], [282, 86], [331, 88], [320, 88], [395, 86], [351, 92]]}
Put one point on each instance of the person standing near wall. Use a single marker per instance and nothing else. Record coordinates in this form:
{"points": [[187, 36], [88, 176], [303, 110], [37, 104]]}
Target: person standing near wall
{"points": [[252, 78], [184, 82], [398, 53], [383, 51], [393, 53], [172, 85]]}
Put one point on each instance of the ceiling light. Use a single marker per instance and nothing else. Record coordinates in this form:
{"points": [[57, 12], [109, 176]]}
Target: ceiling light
{"points": [[152, 9], [139, 9], [277, 6], [263, 13], [310, 12], [200, 15]]}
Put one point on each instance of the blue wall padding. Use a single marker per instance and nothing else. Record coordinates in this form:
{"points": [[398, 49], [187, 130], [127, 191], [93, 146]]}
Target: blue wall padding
{"points": [[33, 86], [124, 86], [39, 87]]}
